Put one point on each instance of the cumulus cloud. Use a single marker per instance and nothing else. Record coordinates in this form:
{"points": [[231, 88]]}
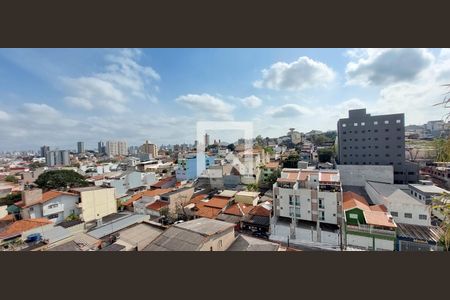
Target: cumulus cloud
{"points": [[288, 111], [124, 79], [386, 66], [205, 103], [251, 101], [300, 74]]}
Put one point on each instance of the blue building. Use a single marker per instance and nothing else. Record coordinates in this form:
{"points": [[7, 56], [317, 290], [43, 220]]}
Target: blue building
{"points": [[187, 167]]}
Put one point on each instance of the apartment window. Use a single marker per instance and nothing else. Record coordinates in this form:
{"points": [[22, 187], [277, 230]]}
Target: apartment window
{"points": [[363, 139], [376, 139], [408, 215], [363, 131], [363, 124], [387, 155], [377, 163], [321, 203], [356, 140], [394, 213], [321, 215], [297, 200], [355, 124], [411, 191], [415, 194], [376, 130], [52, 216], [376, 155], [411, 173], [386, 130], [356, 131], [344, 132], [344, 125], [399, 146], [345, 148], [345, 155], [291, 211], [386, 122], [422, 217], [387, 139], [387, 147], [375, 122], [399, 155], [398, 129], [52, 206], [297, 212], [344, 140], [398, 121], [420, 197]]}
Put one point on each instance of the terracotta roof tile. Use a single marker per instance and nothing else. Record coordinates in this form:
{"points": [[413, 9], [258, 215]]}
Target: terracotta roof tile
{"points": [[163, 181], [353, 200], [259, 211], [378, 218], [157, 205], [217, 202], [148, 193], [18, 227], [238, 209], [198, 198]]}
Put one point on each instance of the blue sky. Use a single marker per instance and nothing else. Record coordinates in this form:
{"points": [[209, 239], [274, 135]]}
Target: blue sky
{"points": [[60, 96]]}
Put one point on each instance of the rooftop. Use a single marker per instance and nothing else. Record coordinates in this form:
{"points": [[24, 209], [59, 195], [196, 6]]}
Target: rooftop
{"points": [[157, 205], [416, 232], [87, 189], [247, 194], [18, 227], [205, 227], [429, 189], [247, 243], [227, 193]]}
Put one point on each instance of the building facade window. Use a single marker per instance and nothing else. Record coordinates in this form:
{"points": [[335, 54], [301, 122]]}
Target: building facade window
{"points": [[321, 203], [408, 215], [394, 213]]}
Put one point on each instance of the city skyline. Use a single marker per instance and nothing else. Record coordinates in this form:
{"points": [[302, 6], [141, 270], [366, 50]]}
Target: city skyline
{"points": [[159, 94]]}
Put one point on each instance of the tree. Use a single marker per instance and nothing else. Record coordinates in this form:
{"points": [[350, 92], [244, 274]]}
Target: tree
{"points": [[11, 178], [231, 147], [442, 204], [269, 150], [325, 155], [35, 165], [291, 161], [272, 178], [10, 199], [259, 140], [252, 187], [60, 179], [442, 149]]}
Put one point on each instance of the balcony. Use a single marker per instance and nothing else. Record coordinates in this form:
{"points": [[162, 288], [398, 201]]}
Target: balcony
{"points": [[53, 209], [368, 229]]}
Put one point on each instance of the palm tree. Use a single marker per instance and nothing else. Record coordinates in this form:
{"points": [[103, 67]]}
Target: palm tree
{"points": [[442, 204]]}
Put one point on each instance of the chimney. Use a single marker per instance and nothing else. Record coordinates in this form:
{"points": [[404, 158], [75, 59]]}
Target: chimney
{"points": [[31, 197]]}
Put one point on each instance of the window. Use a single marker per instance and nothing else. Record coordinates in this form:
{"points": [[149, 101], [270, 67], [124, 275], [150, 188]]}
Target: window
{"points": [[376, 130], [356, 131], [386, 122], [291, 211], [52, 206], [387, 139], [398, 121], [408, 215], [321, 215], [220, 244], [387, 147], [355, 124], [375, 122], [422, 217], [345, 132], [394, 213], [386, 130], [297, 200], [399, 138], [363, 124], [321, 204], [398, 129], [297, 212], [52, 216], [344, 125], [290, 200]]}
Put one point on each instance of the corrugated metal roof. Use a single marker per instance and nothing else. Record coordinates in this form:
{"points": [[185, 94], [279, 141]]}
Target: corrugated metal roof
{"points": [[116, 225]]}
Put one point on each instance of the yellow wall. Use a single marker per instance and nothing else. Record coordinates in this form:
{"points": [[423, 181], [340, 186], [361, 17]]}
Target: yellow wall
{"points": [[250, 200], [98, 203]]}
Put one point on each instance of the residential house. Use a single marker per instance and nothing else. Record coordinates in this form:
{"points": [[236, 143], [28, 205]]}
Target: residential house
{"points": [[165, 183], [143, 199], [412, 237], [258, 218], [234, 214], [245, 197], [53, 205], [247, 243], [139, 236], [368, 227], [20, 230], [400, 204], [196, 235], [95, 202]]}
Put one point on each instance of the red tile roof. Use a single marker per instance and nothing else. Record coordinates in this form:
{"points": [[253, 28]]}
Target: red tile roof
{"points": [[238, 209], [217, 202], [148, 193], [353, 200], [198, 198], [19, 227], [207, 212], [379, 207], [157, 205], [47, 196], [259, 211], [163, 181]]}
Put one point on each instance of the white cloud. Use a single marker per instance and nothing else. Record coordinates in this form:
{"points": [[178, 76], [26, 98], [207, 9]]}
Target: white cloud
{"points": [[4, 116], [251, 101], [79, 102], [386, 66], [124, 79], [205, 103], [300, 74], [288, 111]]}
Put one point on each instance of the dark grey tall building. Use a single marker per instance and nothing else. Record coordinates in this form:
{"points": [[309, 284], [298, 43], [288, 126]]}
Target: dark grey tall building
{"points": [[44, 151], [80, 147], [101, 148], [375, 140]]}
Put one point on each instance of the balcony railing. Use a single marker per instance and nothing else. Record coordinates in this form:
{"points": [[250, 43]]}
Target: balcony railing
{"points": [[368, 229]]}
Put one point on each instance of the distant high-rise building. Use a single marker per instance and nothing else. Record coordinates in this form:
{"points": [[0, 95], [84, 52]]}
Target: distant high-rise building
{"points": [[133, 150], [114, 148], [80, 147], [101, 148], [375, 140], [149, 148], [206, 140], [57, 158], [44, 151]]}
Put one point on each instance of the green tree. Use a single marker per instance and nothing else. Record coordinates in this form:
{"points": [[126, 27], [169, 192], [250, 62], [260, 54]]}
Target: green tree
{"points": [[231, 147], [259, 140], [442, 147], [252, 187], [59, 179], [442, 204], [35, 165], [291, 161], [10, 199], [272, 178], [11, 178], [325, 155], [269, 150]]}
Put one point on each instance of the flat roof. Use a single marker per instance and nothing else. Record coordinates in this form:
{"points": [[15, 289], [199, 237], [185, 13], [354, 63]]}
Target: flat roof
{"points": [[249, 194], [227, 193], [88, 188], [247, 243], [430, 189], [204, 226]]}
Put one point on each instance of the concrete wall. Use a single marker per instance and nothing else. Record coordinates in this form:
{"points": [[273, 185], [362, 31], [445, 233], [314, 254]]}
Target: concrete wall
{"points": [[357, 175], [98, 203], [219, 242]]}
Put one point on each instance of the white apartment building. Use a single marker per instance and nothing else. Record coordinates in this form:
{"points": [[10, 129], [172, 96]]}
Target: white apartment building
{"points": [[115, 148], [310, 195]]}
